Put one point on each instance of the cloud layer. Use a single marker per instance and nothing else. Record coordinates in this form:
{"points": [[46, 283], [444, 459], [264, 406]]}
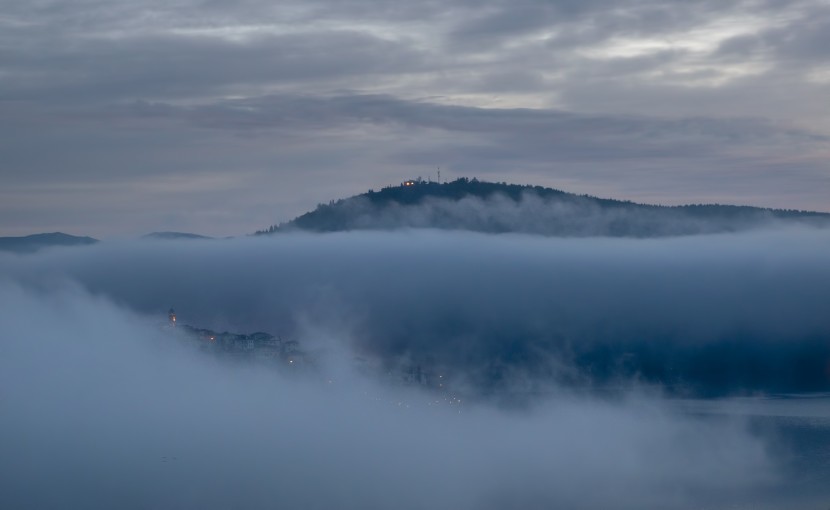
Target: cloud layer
{"points": [[216, 119], [104, 408], [101, 409], [719, 314]]}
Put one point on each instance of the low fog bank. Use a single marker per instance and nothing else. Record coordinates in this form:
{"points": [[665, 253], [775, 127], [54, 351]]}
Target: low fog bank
{"points": [[545, 212], [101, 408], [506, 316]]}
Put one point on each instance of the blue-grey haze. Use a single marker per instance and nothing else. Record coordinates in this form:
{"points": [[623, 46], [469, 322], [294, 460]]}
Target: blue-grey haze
{"points": [[103, 408]]}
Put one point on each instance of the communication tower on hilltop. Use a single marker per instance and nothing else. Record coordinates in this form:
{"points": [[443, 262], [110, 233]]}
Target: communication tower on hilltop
{"points": [[171, 316]]}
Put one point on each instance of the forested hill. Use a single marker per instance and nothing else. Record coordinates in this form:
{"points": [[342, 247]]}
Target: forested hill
{"points": [[470, 204], [33, 243]]}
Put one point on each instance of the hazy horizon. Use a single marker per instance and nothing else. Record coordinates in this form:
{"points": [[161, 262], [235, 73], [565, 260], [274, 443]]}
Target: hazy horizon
{"points": [[529, 213]]}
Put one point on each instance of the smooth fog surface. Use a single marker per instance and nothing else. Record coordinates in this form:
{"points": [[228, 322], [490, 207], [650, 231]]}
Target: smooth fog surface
{"points": [[102, 407]]}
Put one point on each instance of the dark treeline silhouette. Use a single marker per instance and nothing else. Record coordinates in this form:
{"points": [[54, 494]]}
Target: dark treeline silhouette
{"points": [[524, 362], [35, 242], [470, 204]]}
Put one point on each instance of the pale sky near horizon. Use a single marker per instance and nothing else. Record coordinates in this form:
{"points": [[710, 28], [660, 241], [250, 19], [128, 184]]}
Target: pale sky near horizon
{"points": [[220, 118]]}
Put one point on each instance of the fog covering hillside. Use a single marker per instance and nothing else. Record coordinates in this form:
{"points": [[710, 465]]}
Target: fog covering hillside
{"points": [[481, 206], [558, 363], [504, 316]]}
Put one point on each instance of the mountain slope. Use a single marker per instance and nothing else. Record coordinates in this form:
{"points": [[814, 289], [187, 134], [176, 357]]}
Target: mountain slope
{"points": [[482, 206], [174, 235], [35, 242]]}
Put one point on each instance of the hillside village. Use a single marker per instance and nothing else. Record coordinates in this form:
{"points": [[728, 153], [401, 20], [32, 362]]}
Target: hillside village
{"points": [[259, 346], [266, 348]]}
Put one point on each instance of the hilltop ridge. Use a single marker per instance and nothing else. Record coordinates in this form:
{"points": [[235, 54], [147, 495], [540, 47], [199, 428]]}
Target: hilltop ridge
{"points": [[482, 206], [36, 242]]}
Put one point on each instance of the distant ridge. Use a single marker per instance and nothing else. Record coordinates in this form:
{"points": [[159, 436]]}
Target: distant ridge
{"points": [[470, 204], [174, 235], [35, 242]]}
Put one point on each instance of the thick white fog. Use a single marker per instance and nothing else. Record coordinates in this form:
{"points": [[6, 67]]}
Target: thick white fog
{"points": [[103, 407]]}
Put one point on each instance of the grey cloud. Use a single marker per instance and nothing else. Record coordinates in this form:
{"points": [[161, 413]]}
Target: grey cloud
{"points": [[804, 45], [567, 24], [192, 67], [278, 111], [193, 162], [65, 48], [493, 25], [627, 68], [337, 97], [544, 143], [510, 135], [799, 41], [741, 46]]}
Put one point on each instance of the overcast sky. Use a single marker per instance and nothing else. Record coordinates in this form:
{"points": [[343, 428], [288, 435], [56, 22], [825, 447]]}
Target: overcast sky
{"points": [[124, 117]]}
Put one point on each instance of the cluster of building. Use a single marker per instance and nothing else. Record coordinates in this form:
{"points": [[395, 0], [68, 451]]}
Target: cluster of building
{"points": [[265, 347], [259, 345]]}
